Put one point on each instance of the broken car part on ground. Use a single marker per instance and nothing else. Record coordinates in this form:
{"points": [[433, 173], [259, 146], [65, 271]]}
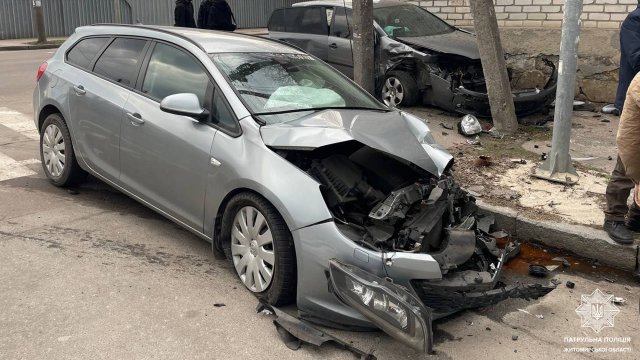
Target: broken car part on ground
{"points": [[419, 57]]}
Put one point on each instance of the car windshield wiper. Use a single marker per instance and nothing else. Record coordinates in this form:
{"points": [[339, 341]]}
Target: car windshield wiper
{"points": [[323, 108]]}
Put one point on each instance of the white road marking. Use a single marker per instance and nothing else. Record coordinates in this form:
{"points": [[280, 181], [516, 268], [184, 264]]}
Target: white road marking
{"points": [[19, 123], [11, 169]]}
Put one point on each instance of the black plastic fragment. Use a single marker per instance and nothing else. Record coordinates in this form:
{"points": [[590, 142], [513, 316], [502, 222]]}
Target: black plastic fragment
{"points": [[538, 271], [570, 284]]}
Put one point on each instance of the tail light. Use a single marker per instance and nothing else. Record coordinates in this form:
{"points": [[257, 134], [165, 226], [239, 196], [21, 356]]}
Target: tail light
{"points": [[41, 71]]}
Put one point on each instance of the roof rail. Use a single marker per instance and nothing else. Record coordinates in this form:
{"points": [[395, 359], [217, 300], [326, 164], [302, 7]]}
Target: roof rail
{"points": [[151, 27]]}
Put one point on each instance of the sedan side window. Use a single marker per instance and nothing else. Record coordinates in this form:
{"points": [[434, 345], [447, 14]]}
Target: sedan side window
{"points": [[121, 60], [172, 71], [307, 20], [83, 53], [342, 23], [221, 115]]}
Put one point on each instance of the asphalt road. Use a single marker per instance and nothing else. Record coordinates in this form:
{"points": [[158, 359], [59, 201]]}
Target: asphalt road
{"points": [[97, 275]]}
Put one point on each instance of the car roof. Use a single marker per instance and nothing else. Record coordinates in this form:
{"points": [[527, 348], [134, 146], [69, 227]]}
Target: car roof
{"points": [[208, 40], [348, 4]]}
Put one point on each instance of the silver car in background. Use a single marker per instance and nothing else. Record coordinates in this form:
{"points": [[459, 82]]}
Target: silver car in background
{"points": [[318, 194]]}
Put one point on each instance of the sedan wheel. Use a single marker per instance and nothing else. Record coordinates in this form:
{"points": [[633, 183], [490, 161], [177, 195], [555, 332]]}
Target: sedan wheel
{"points": [[392, 92], [399, 89], [252, 249], [53, 152]]}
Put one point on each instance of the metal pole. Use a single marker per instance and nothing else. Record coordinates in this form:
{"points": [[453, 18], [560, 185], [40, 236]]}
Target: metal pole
{"points": [[363, 43], [558, 166], [38, 19]]}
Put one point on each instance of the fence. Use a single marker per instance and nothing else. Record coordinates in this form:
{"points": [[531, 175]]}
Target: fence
{"points": [[63, 16]]}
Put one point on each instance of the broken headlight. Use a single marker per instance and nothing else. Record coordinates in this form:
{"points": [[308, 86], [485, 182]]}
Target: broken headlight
{"points": [[388, 306]]}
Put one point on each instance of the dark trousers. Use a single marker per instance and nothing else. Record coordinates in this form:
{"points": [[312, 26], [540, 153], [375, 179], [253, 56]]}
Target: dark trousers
{"points": [[618, 190]]}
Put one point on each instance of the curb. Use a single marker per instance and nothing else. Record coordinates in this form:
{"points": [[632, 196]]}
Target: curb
{"points": [[28, 47], [578, 239]]}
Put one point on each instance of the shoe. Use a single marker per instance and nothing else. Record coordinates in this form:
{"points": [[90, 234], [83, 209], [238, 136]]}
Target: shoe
{"points": [[618, 232]]}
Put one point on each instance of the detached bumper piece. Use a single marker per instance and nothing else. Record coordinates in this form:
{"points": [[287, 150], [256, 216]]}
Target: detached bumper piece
{"points": [[293, 332], [390, 307], [444, 300]]}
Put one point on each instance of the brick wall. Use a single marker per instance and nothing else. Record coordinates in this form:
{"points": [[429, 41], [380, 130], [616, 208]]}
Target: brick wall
{"points": [[604, 14]]}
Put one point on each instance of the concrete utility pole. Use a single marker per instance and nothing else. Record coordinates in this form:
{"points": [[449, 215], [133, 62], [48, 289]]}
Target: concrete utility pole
{"points": [[558, 166], [38, 19], [363, 44], [494, 66]]}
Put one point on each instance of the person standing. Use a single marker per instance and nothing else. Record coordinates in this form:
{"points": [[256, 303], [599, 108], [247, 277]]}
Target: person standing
{"points": [[183, 14], [620, 185], [216, 15]]}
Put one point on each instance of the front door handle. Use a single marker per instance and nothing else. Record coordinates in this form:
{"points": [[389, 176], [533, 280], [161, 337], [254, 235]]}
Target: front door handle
{"points": [[135, 118], [79, 89], [333, 46]]}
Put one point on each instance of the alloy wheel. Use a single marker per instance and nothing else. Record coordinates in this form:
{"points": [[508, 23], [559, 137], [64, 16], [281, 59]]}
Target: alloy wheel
{"points": [[392, 92], [53, 150], [252, 249]]}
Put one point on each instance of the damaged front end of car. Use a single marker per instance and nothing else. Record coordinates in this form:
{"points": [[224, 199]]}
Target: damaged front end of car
{"points": [[406, 244], [453, 80]]}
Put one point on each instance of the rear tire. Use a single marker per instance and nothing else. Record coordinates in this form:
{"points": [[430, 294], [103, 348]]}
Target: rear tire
{"points": [[399, 89], [258, 243], [56, 153]]}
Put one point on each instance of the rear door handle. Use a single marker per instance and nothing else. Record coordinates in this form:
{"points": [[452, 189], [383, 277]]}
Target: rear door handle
{"points": [[79, 89], [135, 118], [333, 46]]}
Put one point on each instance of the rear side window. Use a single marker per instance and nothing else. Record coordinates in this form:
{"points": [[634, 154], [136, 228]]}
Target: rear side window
{"points": [[172, 71], [306, 20], [276, 22], [120, 61], [83, 53]]}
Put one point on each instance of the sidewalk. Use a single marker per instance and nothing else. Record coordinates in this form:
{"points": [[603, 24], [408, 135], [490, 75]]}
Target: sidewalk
{"points": [[563, 217]]}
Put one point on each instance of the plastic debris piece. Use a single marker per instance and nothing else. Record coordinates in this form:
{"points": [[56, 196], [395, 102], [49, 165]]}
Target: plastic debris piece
{"points": [[609, 280], [565, 262], [538, 271], [495, 133], [219, 305], [514, 337], [552, 267], [469, 125], [474, 141], [619, 300], [519, 161], [570, 284], [610, 109]]}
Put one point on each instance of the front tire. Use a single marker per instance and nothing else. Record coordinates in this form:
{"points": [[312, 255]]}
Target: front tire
{"points": [[260, 247], [56, 153], [399, 89]]}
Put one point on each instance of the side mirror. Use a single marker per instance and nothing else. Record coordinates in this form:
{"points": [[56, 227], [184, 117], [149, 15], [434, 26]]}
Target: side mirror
{"points": [[186, 104]]}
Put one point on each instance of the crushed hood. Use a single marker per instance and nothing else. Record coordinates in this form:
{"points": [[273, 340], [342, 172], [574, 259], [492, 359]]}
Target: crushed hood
{"points": [[396, 133], [457, 42]]}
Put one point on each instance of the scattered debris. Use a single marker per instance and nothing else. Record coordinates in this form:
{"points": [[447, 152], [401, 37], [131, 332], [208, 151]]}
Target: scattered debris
{"points": [[552, 267], [543, 156], [565, 262], [605, 120], [294, 332], [519, 161], [610, 109], [514, 337], [483, 161], [570, 284], [488, 328], [536, 146], [469, 125], [219, 305], [556, 282], [446, 126], [609, 157], [475, 141], [609, 280], [619, 300], [495, 133], [538, 271], [540, 316]]}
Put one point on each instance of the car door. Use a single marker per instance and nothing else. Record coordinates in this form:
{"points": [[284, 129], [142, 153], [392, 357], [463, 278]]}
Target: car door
{"points": [[98, 89], [307, 28], [340, 54], [165, 157]]}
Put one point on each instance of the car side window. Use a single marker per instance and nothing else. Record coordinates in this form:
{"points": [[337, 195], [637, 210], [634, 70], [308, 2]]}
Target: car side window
{"points": [[342, 21], [221, 114], [173, 71], [276, 22], [307, 20], [83, 53], [120, 61]]}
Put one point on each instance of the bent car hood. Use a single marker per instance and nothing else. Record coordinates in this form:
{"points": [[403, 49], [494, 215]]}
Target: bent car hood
{"points": [[396, 133], [457, 42]]}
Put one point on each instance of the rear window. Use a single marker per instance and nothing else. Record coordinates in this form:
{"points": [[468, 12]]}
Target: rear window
{"points": [[120, 61], [276, 22], [83, 53], [304, 20]]}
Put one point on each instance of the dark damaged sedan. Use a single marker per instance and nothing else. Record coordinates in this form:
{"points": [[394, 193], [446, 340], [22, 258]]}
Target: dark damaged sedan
{"points": [[419, 57]]}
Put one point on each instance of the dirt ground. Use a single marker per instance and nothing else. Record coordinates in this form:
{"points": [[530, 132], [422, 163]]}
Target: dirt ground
{"points": [[497, 170]]}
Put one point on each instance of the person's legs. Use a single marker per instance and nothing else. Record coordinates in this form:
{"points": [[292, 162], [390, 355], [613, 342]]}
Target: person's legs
{"points": [[617, 194]]}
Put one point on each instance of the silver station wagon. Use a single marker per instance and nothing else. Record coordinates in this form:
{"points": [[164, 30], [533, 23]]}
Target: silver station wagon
{"points": [[317, 193]]}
